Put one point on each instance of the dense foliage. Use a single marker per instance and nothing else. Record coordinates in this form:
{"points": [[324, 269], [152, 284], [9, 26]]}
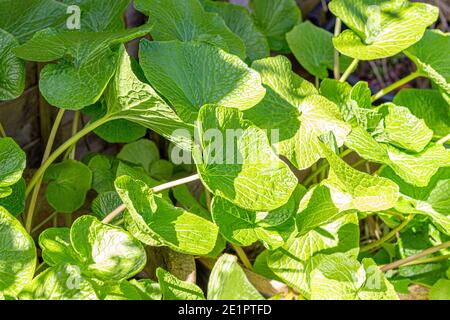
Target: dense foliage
{"points": [[276, 209]]}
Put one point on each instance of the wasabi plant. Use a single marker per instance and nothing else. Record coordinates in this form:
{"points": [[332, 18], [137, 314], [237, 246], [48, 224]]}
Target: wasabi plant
{"points": [[270, 181]]}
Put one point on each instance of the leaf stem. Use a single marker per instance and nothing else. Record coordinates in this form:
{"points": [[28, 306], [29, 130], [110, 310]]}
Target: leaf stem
{"points": [[46, 220], [443, 140], [156, 189], [61, 149], [395, 85], [243, 256], [389, 236], [349, 70], [72, 150], [412, 258], [2, 131], [337, 31], [37, 187]]}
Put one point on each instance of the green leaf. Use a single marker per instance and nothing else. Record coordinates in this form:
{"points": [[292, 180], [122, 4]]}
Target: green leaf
{"points": [[147, 289], [15, 202], [380, 28], [12, 73], [245, 170], [114, 131], [188, 21], [354, 102], [440, 290], [429, 106], [103, 172], [430, 200], [241, 227], [57, 248], [105, 203], [69, 182], [13, 161], [86, 63], [400, 128], [275, 18], [101, 15], [22, 19], [342, 277], [163, 223], [161, 169], [296, 259], [238, 19], [190, 75], [109, 253], [432, 63], [173, 288], [17, 255], [293, 109], [414, 168], [352, 189], [142, 153], [128, 98], [313, 48], [229, 282], [61, 282]]}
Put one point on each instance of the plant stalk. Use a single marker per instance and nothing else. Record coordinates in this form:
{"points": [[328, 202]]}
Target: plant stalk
{"points": [[110, 217], [2, 131], [422, 254], [443, 140], [395, 85], [349, 70], [243, 256], [337, 31], [37, 187]]}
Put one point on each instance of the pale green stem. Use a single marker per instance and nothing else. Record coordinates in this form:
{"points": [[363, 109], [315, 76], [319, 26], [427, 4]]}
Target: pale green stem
{"points": [[389, 236], [243, 256], [72, 150], [443, 140], [409, 259], [381, 168], [429, 260], [37, 187], [317, 83], [349, 70], [50, 217], [358, 163], [2, 131], [395, 85], [337, 31], [110, 217]]}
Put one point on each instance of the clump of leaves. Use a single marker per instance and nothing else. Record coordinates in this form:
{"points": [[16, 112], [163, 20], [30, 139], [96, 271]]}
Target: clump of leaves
{"points": [[214, 68]]}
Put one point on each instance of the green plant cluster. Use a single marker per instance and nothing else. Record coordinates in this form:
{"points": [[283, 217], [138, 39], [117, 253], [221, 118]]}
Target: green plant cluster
{"points": [[224, 66]]}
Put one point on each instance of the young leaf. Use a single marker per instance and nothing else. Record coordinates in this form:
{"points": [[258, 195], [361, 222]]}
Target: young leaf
{"points": [[440, 290], [61, 282], [57, 248], [379, 28], [352, 189], [414, 168], [275, 18], [103, 172], [229, 282], [402, 129], [109, 253], [81, 56], [38, 14], [429, 106], [313, 48], [238, 19], [69, 182], [12, 73], [188, 21], [241, 227], [131, 99], [147, 289], [121, 290], [296, 259], [162, 223], [142, 153], [431, 200], [244, 169], [105, 203], [191, 75], [13, 161], [428, 55], [297, 113], [174, 289], [17, 255]]}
